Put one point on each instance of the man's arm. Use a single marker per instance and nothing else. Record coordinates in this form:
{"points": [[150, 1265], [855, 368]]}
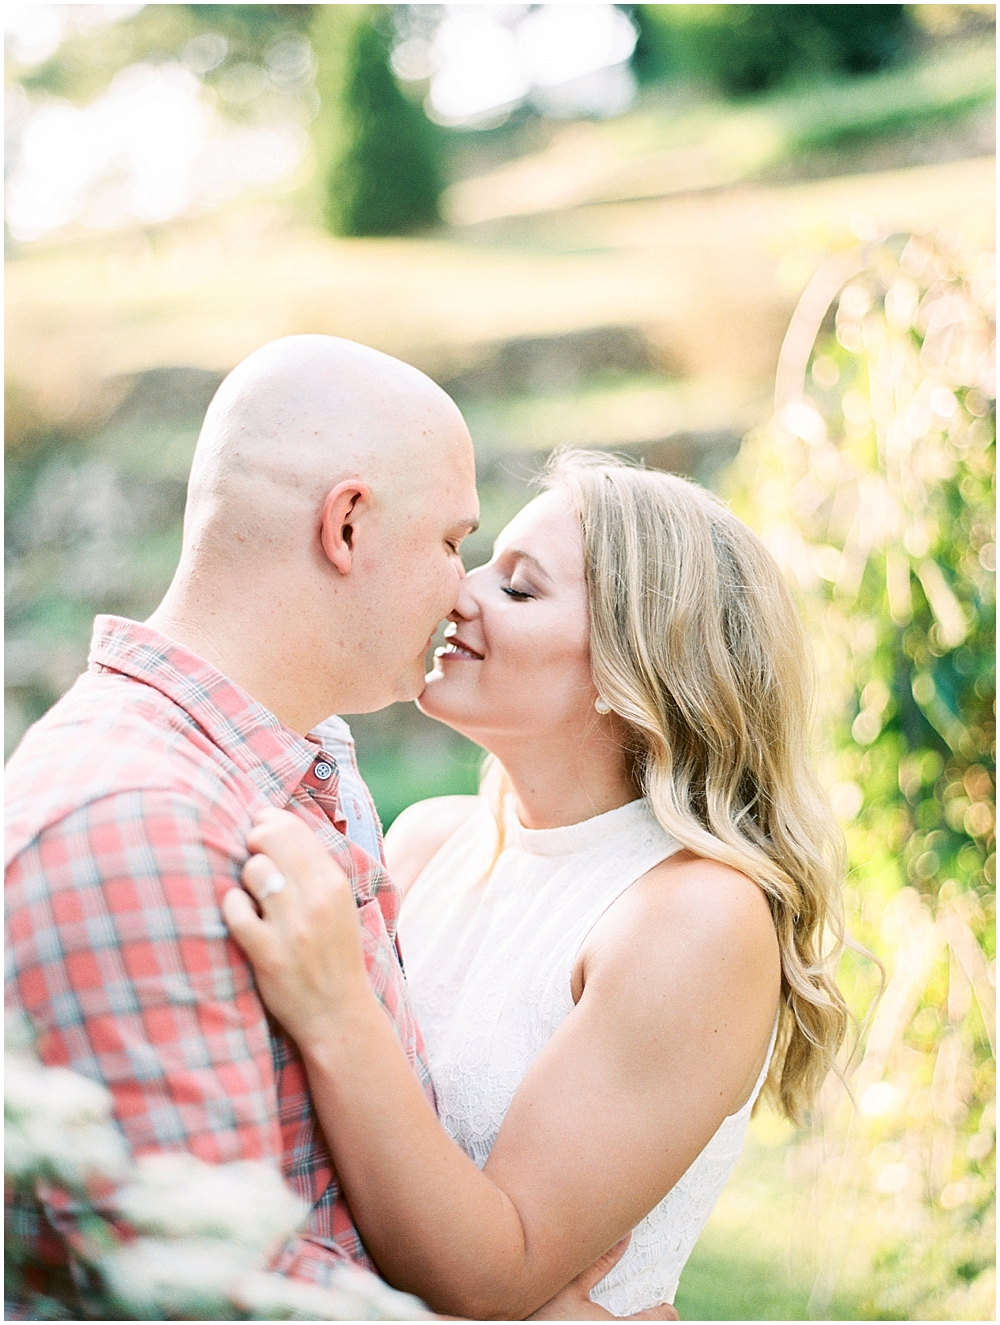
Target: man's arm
{"points": [[120, 956]]}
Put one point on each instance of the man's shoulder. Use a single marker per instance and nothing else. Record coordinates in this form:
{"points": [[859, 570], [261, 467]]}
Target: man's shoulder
{"points": [[108, 735]]}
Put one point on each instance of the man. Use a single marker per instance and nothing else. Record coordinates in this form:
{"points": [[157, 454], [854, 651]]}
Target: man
{"points": [[330, 491]]}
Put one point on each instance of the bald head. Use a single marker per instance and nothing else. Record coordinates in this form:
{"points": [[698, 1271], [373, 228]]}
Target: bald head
{"points": [[303, 413], [330, 489]]}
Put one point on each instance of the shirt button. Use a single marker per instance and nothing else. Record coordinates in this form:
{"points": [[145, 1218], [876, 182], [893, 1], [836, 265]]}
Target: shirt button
{"points": [[322, 770]]}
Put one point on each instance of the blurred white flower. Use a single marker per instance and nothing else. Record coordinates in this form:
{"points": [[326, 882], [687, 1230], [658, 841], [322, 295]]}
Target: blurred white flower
{"points": [[188, 1278], [183, 1197], [62, 1096], [218, 1221], [70, 1157], [18, 1034], [58, 1126], [206, 1278]]}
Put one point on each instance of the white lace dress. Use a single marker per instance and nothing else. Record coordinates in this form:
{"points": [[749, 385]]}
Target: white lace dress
{"points": [[489, 965]]}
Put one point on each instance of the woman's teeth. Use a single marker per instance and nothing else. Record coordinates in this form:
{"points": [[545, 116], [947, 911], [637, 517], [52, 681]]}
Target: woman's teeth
{"points": [[453, 650]]}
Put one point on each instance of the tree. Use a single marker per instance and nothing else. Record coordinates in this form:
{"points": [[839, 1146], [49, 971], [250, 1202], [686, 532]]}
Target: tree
{"points": [[744, 49], [386, 180]]}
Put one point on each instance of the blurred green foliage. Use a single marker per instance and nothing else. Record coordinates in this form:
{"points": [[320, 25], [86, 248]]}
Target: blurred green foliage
{"points": [[92, 524], [746, 1265], [875, 488], [888, 473], [381, 162], [850, 112], [405, 757], [743, 49], [84, 63]]}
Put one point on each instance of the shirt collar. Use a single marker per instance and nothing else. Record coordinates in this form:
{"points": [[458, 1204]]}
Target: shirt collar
{"points": [[271, 754]]}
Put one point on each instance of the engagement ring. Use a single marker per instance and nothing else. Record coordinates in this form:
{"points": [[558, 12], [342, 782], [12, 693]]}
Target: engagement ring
{"points": [[274, 883]]}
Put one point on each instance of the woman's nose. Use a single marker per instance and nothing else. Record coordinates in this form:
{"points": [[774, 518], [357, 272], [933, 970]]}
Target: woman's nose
{"points": [[467, 605]]}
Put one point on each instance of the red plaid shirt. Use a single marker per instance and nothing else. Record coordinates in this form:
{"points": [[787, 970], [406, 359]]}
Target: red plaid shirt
{"points": [[128, 807]]}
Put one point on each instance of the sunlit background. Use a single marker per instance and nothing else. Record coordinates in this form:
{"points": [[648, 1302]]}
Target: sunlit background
{"points": [[749, 243]]}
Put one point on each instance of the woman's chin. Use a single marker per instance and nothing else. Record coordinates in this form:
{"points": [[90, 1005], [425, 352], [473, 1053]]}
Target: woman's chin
{"points": [[427, 700], [434, 698]]}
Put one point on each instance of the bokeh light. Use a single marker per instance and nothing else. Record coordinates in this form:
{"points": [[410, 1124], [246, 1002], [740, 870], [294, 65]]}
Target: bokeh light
{"points": [[486, 59]]}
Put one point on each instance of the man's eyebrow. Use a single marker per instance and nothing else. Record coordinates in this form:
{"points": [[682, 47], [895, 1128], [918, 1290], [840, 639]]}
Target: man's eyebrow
{"points": [[518, 555]]}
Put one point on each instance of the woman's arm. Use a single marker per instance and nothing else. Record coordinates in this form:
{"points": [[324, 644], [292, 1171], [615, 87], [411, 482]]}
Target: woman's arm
{"points": [[416, 835], [679, 995]]}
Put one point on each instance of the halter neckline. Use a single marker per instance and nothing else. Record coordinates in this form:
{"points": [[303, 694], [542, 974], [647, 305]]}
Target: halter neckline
{"points": [[571, 838]]}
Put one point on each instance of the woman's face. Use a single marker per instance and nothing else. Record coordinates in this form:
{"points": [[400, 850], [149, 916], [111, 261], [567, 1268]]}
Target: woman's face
{"points": [[517, 661]]}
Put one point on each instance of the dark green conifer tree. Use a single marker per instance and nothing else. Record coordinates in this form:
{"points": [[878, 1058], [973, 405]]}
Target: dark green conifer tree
{"points": [[387, 179], [746, 49]]}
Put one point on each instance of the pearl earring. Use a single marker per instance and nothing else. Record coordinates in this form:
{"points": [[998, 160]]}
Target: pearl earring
{"points": [[602, 705]]}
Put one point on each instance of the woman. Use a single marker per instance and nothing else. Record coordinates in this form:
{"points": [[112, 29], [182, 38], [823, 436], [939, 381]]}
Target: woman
{"points": [[612, 954]]}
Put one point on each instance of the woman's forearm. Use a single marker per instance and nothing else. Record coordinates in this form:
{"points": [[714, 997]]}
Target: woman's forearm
{"points": [[434, 1224]]}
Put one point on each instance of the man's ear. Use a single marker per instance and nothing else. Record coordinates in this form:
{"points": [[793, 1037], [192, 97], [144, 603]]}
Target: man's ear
{"points": [[341, 508]]}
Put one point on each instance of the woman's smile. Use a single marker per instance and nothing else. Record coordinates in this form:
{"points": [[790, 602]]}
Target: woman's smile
{"points": [[456, 649], [525, 615]]}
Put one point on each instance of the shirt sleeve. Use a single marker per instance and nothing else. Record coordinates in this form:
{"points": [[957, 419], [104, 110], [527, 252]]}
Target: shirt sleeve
{"points": [[122, 959]]}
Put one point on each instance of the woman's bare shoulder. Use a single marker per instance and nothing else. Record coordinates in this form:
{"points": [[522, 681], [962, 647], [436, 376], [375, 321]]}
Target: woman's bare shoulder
{"points": [[684, 963], [714, 893], [707, 901], [699, 910], [420, 831]]}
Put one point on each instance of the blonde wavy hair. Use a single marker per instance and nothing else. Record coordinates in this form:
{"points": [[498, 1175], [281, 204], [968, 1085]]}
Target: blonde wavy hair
{"points": [[697, 646]]}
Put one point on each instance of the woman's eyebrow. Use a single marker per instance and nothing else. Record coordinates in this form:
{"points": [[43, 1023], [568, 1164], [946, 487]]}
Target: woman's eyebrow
{"points": [[518, 555]]}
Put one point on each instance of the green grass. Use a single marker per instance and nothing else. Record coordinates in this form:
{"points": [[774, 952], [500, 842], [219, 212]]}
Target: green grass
{"points": [[757, 1256], [678, 140], [723, 1282], [935, 91]]}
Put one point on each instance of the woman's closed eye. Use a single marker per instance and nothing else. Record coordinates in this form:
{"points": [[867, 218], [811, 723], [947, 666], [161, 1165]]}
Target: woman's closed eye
{"points": [[519, 595]]}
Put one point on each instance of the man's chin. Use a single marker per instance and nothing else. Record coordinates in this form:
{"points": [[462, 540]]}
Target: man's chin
{"points": [[411, 688]]}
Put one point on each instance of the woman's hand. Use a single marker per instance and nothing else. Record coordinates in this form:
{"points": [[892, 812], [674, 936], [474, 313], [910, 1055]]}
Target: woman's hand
{"points": [[573, 1302], [305, 946]]}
